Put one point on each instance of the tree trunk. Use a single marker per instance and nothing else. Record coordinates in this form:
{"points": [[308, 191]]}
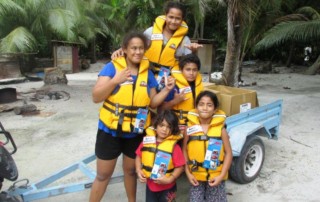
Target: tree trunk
{"points": [[231, 64], [288, 63], [196, 27], [93, 58], [313, 69], [202, 28]]}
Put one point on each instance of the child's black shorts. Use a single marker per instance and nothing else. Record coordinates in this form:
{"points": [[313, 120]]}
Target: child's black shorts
{"points": [[109, 147]]}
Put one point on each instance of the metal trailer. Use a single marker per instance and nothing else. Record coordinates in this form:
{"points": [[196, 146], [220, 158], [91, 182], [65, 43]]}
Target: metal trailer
{"points": [[244, 129]]}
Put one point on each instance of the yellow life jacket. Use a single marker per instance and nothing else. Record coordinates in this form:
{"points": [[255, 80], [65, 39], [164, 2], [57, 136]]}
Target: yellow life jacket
{"points": [[198, 144], [149, 151], [119, 110], [164, 56], [184, 107]]}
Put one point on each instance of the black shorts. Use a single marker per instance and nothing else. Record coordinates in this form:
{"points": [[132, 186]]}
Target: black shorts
{"points": [[109, 147]]}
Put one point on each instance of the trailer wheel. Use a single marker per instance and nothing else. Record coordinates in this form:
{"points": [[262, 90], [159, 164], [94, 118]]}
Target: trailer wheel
{"points": [[246, 167]]}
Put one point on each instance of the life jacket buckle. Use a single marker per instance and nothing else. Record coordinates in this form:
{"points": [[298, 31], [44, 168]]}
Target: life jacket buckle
{"points": [[194, 166], [180, 114], [117, 109]]}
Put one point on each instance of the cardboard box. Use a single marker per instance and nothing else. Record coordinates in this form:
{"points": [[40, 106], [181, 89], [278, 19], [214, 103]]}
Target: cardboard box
{"points": [[234, 100]]}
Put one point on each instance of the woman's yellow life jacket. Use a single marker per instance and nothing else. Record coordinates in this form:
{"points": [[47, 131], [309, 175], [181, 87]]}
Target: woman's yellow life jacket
{"points": [[164, 56], [198, 144], [119, 110], [184, 107], [149, 151]]}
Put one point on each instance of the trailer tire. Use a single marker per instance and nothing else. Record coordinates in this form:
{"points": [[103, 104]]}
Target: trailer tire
{"points": [[247, 166]]}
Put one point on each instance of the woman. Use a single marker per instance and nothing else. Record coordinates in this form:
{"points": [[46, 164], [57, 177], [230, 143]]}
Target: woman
{"points": [[127, 87]]}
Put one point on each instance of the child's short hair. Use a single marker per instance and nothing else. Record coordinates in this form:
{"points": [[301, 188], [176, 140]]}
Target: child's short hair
{"points": [[209, 94], [189, 58], [171, 118]]}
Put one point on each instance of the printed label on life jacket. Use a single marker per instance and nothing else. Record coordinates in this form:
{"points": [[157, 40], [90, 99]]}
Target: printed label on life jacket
{"points": [[185, 90], [140, 120], [194, 129], [149, 140], [162, 76], [143, 84], [160, 166], [211, 160], [156, 37]]}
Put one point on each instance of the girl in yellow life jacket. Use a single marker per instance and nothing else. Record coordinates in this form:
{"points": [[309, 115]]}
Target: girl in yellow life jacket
{"points": [[167, 38], [188, 86], [159, 160], [206, 147], [127, 89]]}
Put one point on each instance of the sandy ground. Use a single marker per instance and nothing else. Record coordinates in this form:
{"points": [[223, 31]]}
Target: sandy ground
{"points": [[64, 133]]}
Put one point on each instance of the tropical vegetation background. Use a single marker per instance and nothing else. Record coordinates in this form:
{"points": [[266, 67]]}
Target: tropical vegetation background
{"points": [[268, 30]]}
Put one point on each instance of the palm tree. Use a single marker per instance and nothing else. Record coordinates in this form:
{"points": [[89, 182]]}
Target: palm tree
{"points": [[24, 21], [303, 26], [198, 9]]}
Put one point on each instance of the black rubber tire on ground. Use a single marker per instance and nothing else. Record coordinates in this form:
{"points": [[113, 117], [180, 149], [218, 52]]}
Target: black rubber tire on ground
{"points": [[247, 166]]}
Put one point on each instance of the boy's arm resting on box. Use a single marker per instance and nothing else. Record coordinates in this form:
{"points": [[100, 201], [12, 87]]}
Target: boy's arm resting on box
{"points": [[226, 161]]}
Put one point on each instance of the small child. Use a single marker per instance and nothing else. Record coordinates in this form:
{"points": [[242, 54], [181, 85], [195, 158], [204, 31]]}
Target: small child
{"points": [[159, 160], [206, 147]]}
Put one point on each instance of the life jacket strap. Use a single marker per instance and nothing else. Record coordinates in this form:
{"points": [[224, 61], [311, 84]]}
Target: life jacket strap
{"points": [[149, 169], [131, 108], [195, 164], [121, 114], [202, 138], [149, 149], [181, 113]]}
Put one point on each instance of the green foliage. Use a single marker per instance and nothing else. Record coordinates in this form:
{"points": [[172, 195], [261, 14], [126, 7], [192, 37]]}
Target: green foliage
{"points": [[300, 27], [287, 32], [19, 39], [65, 20]]}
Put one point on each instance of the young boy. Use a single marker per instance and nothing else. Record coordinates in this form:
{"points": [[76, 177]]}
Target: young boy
{"points": [[188, 85]]}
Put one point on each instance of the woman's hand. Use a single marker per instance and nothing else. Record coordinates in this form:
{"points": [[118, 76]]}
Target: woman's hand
{"points": [[169, 82], [122, 76]]}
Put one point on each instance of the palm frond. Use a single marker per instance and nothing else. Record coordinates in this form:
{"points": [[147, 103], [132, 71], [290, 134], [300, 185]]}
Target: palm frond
{"points": [[20, 40], [310, 12], [291, 17], [286, 32], [9, 7], [62, 21]]}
